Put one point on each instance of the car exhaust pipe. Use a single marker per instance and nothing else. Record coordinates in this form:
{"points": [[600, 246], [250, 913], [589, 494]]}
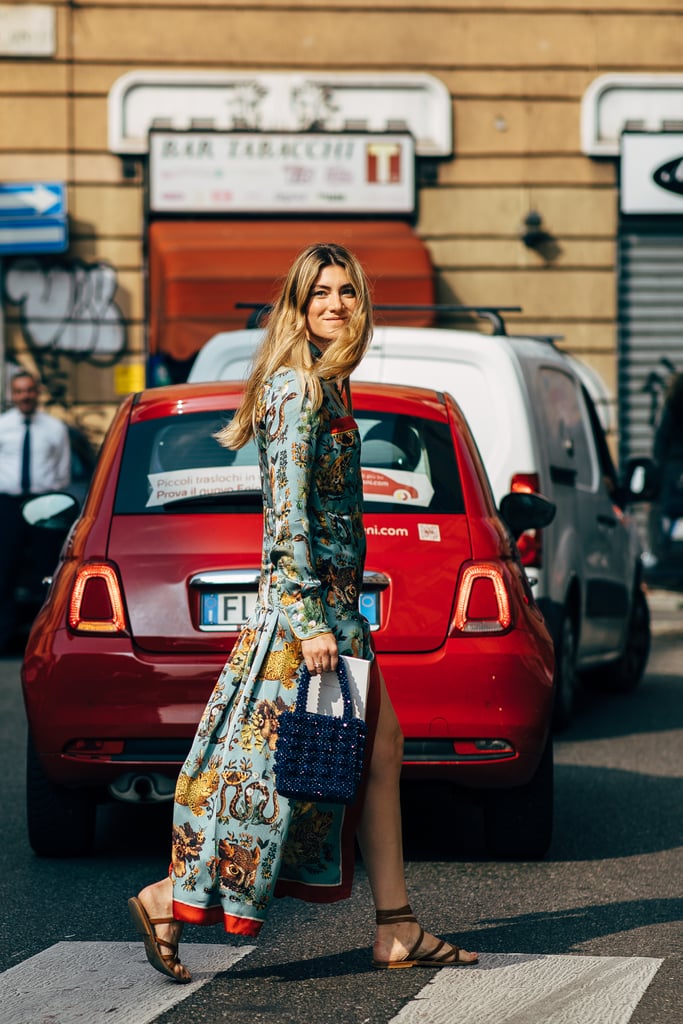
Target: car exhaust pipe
{"points": [[135, 788]]}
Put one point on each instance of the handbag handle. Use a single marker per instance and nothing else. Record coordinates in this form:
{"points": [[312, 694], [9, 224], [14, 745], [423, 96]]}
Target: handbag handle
{"points": [[302, 698]]}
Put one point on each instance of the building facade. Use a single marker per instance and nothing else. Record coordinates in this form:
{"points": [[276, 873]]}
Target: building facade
{"points": [[518, 194]]}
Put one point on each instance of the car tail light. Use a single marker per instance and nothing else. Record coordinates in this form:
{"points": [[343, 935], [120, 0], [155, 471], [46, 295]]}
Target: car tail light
{"points": [[482, 603], [530, 543], [96, 604]]}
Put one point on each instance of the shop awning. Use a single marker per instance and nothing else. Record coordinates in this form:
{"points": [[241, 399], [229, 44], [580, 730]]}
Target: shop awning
{"points": [[198, 270]]}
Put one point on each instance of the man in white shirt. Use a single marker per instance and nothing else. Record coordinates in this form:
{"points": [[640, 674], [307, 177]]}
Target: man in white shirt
{"points": [[35, 457]]}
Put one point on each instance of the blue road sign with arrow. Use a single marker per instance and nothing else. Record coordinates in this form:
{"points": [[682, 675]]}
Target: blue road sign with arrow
{"points": [[33, 218]]}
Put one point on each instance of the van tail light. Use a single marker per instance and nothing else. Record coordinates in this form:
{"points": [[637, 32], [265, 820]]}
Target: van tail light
{"points": [[530, 543], [482, 603], [96, 604]]}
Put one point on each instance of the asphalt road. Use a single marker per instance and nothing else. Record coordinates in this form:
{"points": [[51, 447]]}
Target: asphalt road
{"points": [[610, 888]]}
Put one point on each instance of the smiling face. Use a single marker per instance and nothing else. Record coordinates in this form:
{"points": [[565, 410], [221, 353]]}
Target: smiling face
{"points": [[331, 303]]}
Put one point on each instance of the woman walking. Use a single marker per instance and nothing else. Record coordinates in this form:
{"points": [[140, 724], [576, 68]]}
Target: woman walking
{"points": [[236, 842]]}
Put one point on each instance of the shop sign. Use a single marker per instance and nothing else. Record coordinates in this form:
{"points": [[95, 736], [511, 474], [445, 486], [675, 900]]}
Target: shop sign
{"points": [[652, 172], [281, 172]]}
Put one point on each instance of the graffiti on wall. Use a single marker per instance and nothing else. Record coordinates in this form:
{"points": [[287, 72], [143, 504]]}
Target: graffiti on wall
{"points": [[68, 309]]}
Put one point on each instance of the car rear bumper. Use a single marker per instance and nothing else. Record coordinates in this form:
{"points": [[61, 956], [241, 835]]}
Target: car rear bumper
{"points": [[98, 708], [103, 689], [446, 700]]}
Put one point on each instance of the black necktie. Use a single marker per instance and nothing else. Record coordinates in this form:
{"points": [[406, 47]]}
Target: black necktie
{"points": [[26, 459]]}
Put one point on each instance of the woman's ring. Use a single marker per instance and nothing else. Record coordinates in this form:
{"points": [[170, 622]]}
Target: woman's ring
{"points": [[319, 665]]}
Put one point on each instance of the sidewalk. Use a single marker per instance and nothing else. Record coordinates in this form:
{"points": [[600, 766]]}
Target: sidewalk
{"points": [[666, 612]]}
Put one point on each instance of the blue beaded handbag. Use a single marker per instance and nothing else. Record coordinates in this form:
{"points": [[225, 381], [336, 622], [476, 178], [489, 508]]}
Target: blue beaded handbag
{"points": [[320, 757]]}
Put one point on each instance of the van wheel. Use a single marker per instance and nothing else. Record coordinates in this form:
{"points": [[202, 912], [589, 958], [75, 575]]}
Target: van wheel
{"points": [[61, 821], [518, 822], [623, 675], [566, 676]]}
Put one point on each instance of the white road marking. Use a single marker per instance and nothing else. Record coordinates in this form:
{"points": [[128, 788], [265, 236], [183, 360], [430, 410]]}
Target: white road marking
{"points": [[527, 988], [110, 982], [103, 983]]}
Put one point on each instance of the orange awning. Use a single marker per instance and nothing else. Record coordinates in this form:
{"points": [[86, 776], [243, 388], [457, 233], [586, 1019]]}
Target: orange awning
{"points": [[198, 270]]}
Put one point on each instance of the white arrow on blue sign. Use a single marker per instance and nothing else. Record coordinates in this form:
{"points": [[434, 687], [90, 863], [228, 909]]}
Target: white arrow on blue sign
{"points": [[33, 217]]}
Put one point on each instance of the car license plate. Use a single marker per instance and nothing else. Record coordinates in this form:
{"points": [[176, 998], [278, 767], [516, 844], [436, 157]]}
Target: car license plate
{"points": [[228, 611]]}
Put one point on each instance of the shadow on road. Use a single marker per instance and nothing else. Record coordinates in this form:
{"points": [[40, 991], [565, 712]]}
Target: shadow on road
{"points": [[600, 813], [656, 706], [564, 931], [604, 812]]}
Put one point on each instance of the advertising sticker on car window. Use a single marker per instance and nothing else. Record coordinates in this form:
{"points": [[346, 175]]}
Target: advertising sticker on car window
{"points": [[192, 483], [397, 485]]}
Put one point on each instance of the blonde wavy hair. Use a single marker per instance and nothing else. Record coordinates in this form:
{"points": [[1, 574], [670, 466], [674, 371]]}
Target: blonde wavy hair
{"points": [[286, 341]]}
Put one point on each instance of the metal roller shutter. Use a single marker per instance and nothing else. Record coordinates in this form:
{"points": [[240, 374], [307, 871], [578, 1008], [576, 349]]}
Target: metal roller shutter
{"points": [[650, 282]]}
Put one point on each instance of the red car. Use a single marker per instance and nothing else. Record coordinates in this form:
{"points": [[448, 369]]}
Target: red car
{"points": [[160, 570]]}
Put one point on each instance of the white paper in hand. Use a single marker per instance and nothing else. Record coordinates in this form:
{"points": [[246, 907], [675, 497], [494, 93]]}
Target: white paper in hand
{"points": [[324, 695]]}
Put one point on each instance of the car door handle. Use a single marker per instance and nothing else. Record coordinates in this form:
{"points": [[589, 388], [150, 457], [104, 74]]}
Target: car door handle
{"points": [[607, 521], [563, 475]]}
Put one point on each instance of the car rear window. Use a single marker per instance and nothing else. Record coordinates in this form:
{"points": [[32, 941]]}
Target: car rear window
{"points": [[175, 464], [408, 464]]}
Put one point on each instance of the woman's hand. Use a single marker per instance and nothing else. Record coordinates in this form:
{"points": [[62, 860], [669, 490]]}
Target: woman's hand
{"points": [[320, 653]]}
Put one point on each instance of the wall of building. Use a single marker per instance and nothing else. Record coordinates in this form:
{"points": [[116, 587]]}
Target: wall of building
{"points": [[516, 71]]}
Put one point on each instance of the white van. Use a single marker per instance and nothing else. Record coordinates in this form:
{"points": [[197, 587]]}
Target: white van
{"points": [[537, 429]]}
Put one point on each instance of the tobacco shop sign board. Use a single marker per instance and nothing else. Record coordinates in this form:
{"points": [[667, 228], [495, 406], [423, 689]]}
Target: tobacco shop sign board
{"points": [[281, 172]]}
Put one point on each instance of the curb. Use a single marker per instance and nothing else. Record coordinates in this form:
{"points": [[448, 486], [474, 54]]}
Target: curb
{"points": [[666, 612]]}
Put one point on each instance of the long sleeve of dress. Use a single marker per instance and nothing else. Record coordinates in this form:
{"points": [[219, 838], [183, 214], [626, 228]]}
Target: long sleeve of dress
{"points": [[291, 434]]}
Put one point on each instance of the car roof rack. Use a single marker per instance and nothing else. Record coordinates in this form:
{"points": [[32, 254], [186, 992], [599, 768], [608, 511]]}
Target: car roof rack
{"points": [[549, 338], [258, 311], [491, 313]]}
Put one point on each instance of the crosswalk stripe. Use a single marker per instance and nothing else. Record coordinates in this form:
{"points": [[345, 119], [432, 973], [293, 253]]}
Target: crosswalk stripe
{"points": [[103, 983], [112, 983], [527, 988]]}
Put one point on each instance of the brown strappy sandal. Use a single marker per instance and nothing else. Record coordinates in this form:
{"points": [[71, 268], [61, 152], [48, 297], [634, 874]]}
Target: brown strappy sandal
{"points": [[161, 961], [432, 958]]}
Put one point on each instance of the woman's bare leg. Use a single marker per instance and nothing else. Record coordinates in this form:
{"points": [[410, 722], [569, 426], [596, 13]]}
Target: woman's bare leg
{"points": [[380, 840]]}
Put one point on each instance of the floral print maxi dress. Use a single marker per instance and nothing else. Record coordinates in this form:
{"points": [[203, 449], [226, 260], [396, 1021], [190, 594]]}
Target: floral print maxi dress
{"points": [[236, 842]]}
